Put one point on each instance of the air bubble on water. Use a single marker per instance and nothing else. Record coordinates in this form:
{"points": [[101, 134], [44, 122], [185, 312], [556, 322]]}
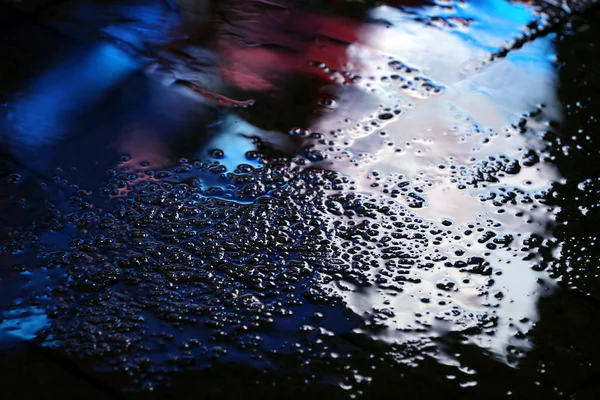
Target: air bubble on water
{"points": [[217, 154]]}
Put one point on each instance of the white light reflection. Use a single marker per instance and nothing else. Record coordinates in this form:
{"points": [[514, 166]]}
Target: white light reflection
{"points": [[470, 119]]}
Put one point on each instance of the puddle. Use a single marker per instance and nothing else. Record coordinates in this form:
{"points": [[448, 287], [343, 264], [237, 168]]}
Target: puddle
{"points": [[380, 176]]}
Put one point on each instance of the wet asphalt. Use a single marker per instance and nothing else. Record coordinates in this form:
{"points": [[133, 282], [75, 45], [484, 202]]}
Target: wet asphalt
{"points": [[407, 206]]}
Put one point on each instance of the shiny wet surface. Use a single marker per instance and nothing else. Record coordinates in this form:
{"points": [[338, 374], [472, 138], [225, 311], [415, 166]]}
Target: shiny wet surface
{"points": [[326, 199]]}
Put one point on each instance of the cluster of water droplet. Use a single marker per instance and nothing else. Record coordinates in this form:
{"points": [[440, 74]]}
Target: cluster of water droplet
{"points": [[180, 274]]}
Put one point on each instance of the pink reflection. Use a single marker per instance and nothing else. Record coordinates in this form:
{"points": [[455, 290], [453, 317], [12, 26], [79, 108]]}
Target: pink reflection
{"points": [[263, 47], [145, 147], [261, 44]]}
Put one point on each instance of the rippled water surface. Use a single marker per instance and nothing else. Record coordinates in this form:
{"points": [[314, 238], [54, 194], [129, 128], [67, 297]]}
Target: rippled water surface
{"points": [[284, 198]]}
